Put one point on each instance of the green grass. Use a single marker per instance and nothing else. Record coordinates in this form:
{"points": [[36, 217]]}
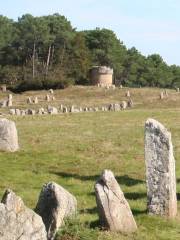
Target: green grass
{"points": [[73, 150]]}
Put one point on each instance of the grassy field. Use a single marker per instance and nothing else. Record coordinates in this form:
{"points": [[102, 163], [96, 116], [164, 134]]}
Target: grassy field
{"points": [[73, 150]]}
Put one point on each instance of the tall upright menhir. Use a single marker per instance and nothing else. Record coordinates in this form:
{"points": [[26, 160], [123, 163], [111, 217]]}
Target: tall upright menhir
{"points": [[160, 170]]}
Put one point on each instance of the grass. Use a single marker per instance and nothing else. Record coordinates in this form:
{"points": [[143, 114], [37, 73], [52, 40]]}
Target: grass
{"points": [[73, 150]]}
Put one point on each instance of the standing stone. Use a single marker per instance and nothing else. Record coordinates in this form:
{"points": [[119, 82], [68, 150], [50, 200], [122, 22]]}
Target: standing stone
{"points": [[52, 110], [161, 95], [36, 100], [160, 170], [130, 103], [4, 103], [111, 107], [17, 222], [121, 86], [51, 91], [9, 103], [177, 89], [128, 94], [65, 110], [29, 100], [8, 136], [3, 87], [12, 111], [166, 92], [18, 112], [72, 109], [47, 98], [114, 211], [53, 98], [123, 105], [117, 107], [55, 204]]}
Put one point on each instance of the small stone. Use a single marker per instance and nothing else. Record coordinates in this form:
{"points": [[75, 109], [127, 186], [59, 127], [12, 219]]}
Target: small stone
{"points": [[114, 211], [8, 136], [55, 204], [52, 110], [123, 105]]}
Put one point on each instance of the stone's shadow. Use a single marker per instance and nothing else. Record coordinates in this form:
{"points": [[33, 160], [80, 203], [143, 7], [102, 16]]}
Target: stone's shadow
{"points": [[124, 180], [135, 195], [89, 210], [137, 212], [178, 196], [178, 180]]}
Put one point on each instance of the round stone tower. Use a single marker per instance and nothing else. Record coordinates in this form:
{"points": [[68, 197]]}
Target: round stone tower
{"points": [[101, 75]]}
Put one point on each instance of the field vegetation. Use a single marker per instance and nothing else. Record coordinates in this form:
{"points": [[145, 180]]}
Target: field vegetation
{"points": [[73, 149]]}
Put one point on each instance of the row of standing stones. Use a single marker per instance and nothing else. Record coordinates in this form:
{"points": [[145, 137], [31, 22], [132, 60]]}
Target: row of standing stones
{"points": [[55, 204]]}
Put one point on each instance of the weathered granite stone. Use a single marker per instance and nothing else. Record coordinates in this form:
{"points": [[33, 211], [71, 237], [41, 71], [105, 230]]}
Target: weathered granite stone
{"points": [[18, 112], [123, 105], [23, 112], [3, 103], [160, 170], [128, 94], [117, 107], [29, 100], [30, 111], [8, 136], [12, 111], [47, 98], [9, 103], [51, 91], [17, 222], [111, 107], [130, 103], [10, 96], [114, 211], [54, 205], [36, 100], [65, 109], [177, 89], [161, 95], [52, 110], [41, 111], [53, 98], [3, 87]]}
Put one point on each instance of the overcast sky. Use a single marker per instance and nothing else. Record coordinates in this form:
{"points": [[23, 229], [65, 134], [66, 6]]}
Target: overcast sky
{"points": [[152, 26]]}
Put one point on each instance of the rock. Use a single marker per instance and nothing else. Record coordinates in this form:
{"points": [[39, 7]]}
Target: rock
{"points": [[96, 109], [55, 204], [160, 170], [65, 110], [117, 107], [12, 111], [123, 105], [161, 95], [111, 107], [30, 111], [18, 222], [36, 100], [51, 91], [29, 100], [128, 94], [53, 98], [114, 211], [41, 111], [4, 103], [47, 98], [8, 136], [23, 112], [130, 103], [10, 96], [52, 110], [18, 112], [85, 109], [121, 86], [61, 108], [72, 109], [3, 88], [166, 93], [177, 89], [9, 102]]}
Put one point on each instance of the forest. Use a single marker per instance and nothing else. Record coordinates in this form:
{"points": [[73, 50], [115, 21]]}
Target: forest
{"points": [[47, 52]]}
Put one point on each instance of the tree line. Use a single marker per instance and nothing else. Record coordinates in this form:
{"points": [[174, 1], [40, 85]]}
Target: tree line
{"points": [[47, 52]]}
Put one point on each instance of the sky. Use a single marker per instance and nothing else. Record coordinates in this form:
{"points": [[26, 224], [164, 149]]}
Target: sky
{"points": [[152, 26]]}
